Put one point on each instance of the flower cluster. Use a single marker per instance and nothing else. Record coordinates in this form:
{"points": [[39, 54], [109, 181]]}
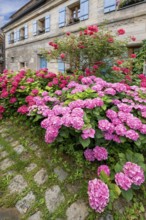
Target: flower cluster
{"points": [[103, 168], [132, 174], [98, 193], [97, 153]]}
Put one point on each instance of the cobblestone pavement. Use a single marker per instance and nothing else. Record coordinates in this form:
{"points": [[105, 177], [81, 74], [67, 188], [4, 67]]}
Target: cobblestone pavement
{"points": [[31, 190]]}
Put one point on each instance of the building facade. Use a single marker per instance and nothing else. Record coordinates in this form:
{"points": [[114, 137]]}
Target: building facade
{"points": [[40, 21], [2, 45]]}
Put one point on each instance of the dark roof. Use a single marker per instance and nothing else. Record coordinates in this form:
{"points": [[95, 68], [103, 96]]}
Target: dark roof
{"points": [[25, 12]]}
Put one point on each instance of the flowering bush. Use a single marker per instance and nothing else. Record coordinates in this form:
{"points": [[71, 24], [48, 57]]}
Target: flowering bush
{"points": [[106, 120], [94, 51]]}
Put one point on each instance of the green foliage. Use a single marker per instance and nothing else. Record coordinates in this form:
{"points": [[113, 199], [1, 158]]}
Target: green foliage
{"points": [[140, 59]]}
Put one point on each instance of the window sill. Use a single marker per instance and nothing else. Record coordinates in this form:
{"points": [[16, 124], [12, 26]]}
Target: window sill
{"points": [[69, 24], [132, 5]]}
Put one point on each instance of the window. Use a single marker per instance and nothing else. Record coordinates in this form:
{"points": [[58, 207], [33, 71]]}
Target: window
{"points": [[12, 59], [109, 5], [22, 65], [41, 26], [134, 49], [43, 62], [1, 49], [61, 66], [11, 38], [129, 3], [74, 14], [22, 35]]}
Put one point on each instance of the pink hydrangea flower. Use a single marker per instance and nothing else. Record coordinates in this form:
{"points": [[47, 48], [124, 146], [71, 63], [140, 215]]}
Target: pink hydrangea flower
{"points": [[116, 138], [111, 114], [13, 100], [120, 130], [143, 114], [131, 134], [23, 109], [108, 136], [124, 107], [90, 132], [110, 91], [104, 125], [134, 123], [77, 123], [51, 134], [98, 193], [100, 153], [123, 181], [134, 172], [104, 168], [77, 112], [89, 155], [35, 91], [143, 129], [58, 92], [2, 109], [30, 80]]}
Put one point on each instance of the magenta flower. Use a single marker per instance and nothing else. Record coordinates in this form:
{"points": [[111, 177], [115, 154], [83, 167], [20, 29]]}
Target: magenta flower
{"points": [[98, 193], [131, 134], [123, 181], [104, 168], [13, 100], [134, 122], [143, 129], [111, 114], [120, 130], [134, 172], [23, 109], [104, 125], [100, 153], [89, 155], [110, 91], [90, 132]]}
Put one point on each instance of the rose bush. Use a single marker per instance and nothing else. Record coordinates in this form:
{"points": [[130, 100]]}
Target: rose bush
{"points": [[94, 51]]}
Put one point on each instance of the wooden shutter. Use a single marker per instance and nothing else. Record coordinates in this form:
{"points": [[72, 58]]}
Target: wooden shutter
{"points": [[84, 9], [47, 23], [34, 28], [26, 31], [62, 17], [43, 62], [61, 66], [15, 36], [18, 35], [9, 38], [109, 5]]}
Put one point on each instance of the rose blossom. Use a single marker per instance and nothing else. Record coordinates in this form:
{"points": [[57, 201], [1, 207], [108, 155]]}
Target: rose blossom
{"points": [[121, 31]]}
